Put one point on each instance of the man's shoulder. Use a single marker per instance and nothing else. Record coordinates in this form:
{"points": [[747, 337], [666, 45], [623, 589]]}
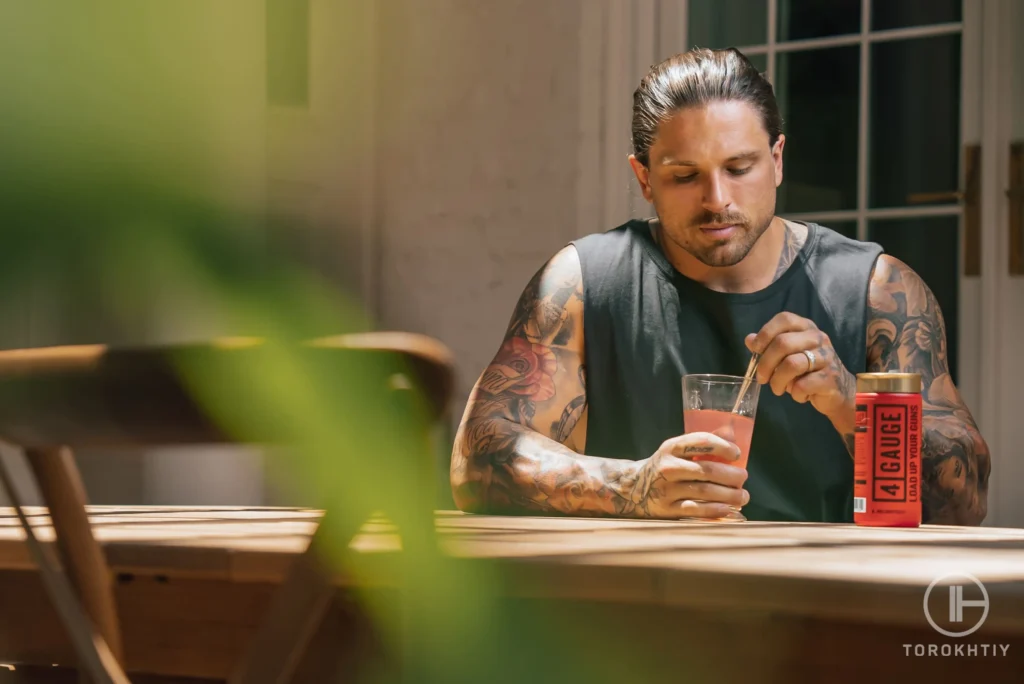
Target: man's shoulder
{"points": [[891, 277], [618, 235], [590, 254], [604, 252], [831, 256], [830, 241]]}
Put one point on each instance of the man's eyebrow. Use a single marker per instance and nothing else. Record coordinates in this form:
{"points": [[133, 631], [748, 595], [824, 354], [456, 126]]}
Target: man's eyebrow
{"points": [[743, 156]]}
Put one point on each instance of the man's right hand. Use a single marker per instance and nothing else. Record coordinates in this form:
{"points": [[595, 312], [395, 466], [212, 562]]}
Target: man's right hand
{"points": [[671, 484]]}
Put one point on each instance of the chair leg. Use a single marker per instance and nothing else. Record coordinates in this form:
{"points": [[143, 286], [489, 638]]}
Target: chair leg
{"points": [[61, 486], [94, 655]]}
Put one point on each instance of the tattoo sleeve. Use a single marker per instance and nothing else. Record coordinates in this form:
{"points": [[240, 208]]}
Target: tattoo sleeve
{"points": [[511, 453], [906, 333]]}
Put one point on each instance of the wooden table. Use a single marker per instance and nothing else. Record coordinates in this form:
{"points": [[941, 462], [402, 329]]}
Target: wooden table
{"points": [[711, 602]]}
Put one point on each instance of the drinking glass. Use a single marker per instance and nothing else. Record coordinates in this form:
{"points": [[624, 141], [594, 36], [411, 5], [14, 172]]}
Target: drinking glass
{"points": [[724, 405]]}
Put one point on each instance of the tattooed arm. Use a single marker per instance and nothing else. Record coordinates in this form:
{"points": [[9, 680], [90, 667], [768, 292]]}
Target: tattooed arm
{"points": [[906, 333], [516, 449]]}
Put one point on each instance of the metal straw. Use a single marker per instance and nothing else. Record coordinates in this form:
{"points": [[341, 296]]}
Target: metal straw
{"points": [[747, 379]]}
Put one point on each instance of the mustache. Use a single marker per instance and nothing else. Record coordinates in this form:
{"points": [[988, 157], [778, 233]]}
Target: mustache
{"points": [[712, 217]]}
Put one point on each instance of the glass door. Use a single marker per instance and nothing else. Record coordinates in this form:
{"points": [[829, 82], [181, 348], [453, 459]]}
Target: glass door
{"points": [[878, 144]]}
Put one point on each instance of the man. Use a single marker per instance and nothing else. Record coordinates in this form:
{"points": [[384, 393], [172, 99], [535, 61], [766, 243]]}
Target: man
{"points": [[580, 412]]}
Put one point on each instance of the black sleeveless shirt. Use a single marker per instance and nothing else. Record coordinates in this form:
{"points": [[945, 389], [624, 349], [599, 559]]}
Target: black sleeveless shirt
{"points": [[646, 325]]}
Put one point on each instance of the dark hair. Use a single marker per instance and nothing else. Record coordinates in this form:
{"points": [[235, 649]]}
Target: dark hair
{"points": [[695, 79]]}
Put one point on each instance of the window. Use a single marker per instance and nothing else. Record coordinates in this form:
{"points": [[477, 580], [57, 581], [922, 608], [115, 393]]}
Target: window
{"points": [[869, 92]]}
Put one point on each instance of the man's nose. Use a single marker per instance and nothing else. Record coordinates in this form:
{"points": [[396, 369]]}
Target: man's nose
{"points": [[716, 198]]}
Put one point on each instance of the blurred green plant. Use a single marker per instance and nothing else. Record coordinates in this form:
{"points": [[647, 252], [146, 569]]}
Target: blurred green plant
{"points": [[132, 182]]}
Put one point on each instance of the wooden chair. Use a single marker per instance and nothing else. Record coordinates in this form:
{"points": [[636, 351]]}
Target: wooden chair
{"points": [[53, 400]]}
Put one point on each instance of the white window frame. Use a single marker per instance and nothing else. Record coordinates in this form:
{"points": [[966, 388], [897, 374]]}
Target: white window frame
{"points": [[621, 40], [625, 39]]}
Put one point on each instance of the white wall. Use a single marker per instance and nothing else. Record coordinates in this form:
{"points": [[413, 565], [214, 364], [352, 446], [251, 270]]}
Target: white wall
{"points": [[505, 133], [480, 119], [475, 110], [490, 122], [448, 148]]}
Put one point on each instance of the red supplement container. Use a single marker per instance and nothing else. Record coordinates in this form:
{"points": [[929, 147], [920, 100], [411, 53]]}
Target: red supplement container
{"points": [[887, 450]]}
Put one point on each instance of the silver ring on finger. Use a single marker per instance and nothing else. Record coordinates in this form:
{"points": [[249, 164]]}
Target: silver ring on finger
{"points": [[810, 359]]}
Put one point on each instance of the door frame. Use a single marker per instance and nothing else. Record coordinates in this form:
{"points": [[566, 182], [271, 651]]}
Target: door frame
{"points": [[1002, 311]]}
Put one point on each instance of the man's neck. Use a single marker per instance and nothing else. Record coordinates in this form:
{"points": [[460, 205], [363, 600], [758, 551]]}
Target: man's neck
{"points": [[770, 257]]}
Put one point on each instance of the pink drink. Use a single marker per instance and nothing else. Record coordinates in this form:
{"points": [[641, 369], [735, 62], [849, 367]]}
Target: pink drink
{"points": [[727, 425]]}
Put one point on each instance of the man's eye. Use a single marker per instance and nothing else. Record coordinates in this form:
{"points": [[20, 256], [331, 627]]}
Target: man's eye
{"points": [[739, 172], [684, 179]]}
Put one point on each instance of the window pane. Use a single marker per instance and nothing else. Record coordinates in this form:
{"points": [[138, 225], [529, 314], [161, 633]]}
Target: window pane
{"points": [[890, 14], [817, 92], [798, 19], [727, 23], [930, 246], [759, 61], [915, 118]]}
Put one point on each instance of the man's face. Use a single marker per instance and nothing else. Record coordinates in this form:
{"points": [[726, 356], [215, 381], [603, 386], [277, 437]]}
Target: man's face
{"points": [[712, 180]]}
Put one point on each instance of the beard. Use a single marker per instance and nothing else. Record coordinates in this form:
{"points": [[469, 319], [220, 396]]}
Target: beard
{"points": [[722, 252]]}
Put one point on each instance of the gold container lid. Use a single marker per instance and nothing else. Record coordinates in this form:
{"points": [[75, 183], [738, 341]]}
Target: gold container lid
{"points": [[903, 383]]}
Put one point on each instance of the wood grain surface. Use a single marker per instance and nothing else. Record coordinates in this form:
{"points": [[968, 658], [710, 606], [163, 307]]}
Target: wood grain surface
{"points": [[194, 582], [581, 557]]}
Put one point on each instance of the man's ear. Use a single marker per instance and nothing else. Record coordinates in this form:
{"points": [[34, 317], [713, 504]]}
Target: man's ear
{"points": [[777, 158], [643, 177]]}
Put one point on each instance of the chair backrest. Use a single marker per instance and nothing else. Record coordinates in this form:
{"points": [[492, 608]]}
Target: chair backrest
{"points": [[428, 360], [108, 397]]}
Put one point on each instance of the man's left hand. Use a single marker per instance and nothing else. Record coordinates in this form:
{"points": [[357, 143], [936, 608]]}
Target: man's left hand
{"points": [[798, 358]]}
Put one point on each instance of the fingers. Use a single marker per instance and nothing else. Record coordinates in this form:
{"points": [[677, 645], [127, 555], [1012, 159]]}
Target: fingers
{"points": [[701, 509], [695, 490], [780, 323], [702, 444], [810, 385], [783, 360], [716, 473], [680, 470], [700, 488]]}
